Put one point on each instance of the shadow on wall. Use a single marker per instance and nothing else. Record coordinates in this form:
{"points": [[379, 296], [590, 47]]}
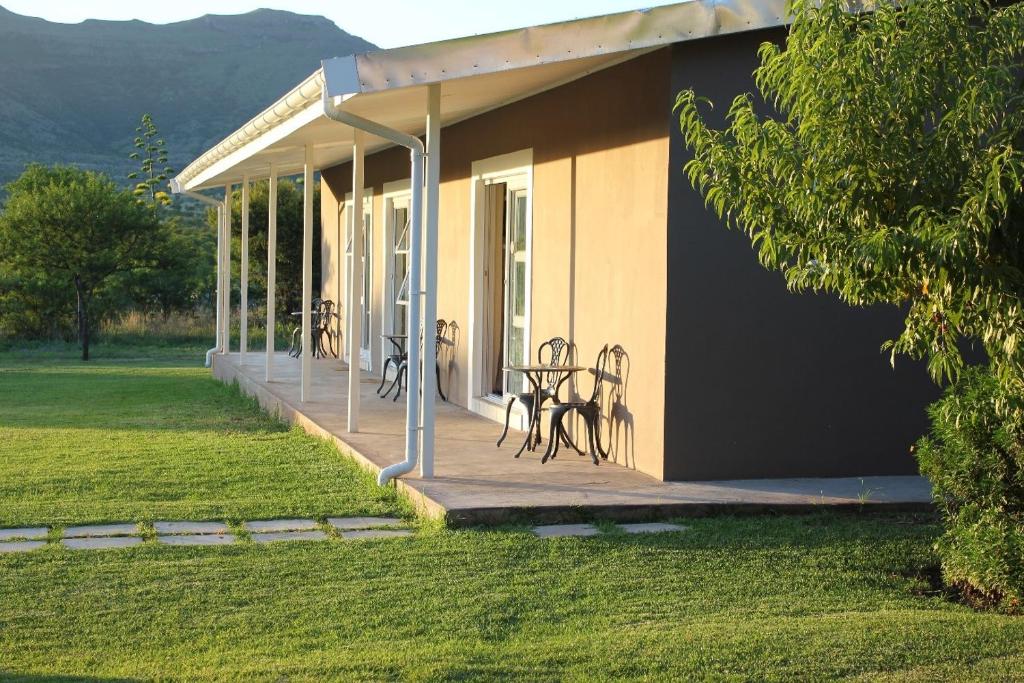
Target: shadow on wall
{"points": [[621, 431], [618, 424], [447, 352]]}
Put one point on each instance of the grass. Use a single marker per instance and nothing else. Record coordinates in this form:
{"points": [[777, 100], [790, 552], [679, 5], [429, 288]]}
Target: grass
{"points": [[141, 440], [800, 598], [824, 596]]}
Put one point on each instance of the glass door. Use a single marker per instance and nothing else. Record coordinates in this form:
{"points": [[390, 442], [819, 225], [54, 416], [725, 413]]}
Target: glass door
{"points": [[517, 337]]}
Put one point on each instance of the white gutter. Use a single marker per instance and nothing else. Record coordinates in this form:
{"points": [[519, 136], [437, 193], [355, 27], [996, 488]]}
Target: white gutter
{"points": [[177, 189], [412, 394], [293, 103]]}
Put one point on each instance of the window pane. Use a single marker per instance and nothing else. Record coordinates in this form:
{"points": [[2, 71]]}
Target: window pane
{"points": [[401, 229], [520, 221], [400, 318], [515, 380], [402, 296], [519, 289]]}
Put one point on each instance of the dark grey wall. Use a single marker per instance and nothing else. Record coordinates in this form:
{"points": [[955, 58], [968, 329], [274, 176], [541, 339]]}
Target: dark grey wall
{"points": [[761, 382]]}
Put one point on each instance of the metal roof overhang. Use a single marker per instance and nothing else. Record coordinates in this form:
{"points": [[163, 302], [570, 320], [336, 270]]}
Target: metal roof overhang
{"points": [[477, 74]]}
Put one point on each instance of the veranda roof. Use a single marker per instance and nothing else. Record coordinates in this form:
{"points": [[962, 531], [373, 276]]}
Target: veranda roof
{"points": [[476, 73]]}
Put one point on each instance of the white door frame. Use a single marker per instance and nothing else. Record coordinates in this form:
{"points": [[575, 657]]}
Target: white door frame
{"points": [[365, 355], [506, 167]]}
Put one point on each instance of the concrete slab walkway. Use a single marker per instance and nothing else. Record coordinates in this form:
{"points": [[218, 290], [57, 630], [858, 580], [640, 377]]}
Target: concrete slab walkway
{"points": [[477, 483], [345, 528], [189, 533]]}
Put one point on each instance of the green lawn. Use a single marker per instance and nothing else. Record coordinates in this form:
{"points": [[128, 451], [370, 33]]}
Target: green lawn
{"points": [[760, 598], [140, 440]]}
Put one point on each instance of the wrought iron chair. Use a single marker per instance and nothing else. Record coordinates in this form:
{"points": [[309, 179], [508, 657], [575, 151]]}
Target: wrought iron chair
{"points": [[295, 348], [322, 328], [403, 364], [398, 358], [559, 353], [589, 410]]}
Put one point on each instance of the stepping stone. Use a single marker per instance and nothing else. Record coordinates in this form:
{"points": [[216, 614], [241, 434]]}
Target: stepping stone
{"points": [[23, 532], [102, 542], [650, 527], [128, 529], [561, 530], [288, 536], [343, 523], [169, 528], [197, 539], [20, 546], [375, 533], [275, 525]]}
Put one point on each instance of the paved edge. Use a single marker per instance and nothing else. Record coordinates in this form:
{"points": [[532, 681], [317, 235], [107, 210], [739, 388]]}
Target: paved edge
{"points": [[275, 405]]}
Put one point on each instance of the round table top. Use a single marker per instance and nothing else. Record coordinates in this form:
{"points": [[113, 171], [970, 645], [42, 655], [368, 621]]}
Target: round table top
{"points": [[543, 368]]}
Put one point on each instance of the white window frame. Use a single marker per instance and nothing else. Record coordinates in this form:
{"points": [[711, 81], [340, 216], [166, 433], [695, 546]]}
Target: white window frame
{"points": [[365, 353], [517, 168], [397, 190]]}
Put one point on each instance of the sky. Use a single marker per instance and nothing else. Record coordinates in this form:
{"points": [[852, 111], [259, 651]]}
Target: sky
{"points": [[387, 23]]}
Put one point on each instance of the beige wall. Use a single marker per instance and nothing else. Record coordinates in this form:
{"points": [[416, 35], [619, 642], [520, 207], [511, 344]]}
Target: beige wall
{"points": [[600, 165]]}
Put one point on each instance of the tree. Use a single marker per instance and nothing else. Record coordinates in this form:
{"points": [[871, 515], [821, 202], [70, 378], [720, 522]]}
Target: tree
{"points": [[892, 172], [77, 224], [180, 275], [152, 174]]}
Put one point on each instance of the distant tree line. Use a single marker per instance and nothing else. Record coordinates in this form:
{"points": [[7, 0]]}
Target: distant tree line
{"points": [[77, 249], [288, 297]]}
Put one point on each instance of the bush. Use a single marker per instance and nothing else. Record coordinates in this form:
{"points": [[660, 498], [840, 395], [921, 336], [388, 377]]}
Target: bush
{"points": [[974, 458]]}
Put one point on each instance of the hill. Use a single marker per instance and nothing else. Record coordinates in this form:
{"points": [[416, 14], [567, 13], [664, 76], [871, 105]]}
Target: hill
{"points": [[73, 93]]}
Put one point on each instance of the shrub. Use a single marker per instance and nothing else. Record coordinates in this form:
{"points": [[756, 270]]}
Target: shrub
{"points": [[974, 458]]}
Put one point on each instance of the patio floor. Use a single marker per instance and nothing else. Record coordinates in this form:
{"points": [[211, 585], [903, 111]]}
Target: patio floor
{"points": [[477, 483]]}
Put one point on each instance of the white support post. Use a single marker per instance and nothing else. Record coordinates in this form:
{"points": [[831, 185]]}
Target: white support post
{"points": [[243, 307], [432, 197], [218, 344], [271, 270], [355, 284], [225, 320], [306, 388]]}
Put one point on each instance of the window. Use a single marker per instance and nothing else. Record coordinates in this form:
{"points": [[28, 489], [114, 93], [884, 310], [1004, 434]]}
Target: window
{"points": [[395, 298], [500, 280], [517, 339], [400, 265]]}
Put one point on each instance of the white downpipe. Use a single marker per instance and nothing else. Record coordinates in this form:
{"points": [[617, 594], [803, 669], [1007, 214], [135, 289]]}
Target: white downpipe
{"points": [[203, 199], [429, 291], [271, 269], [243, 307], [306, 388], [355, 288], [412, 397]]}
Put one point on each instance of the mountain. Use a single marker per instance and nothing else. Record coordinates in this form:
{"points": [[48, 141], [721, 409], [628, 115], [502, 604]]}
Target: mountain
{"points": [[74, 93]]}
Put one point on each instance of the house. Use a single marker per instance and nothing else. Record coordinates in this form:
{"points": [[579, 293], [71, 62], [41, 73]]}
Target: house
{"points": [[553, 203]]}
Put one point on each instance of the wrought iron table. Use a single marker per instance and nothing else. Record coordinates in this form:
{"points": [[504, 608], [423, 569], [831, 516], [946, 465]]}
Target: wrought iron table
{"points": [[535, 376]]}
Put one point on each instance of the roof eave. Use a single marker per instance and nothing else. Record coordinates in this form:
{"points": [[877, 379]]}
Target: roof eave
{"points": [[418, 65]]}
